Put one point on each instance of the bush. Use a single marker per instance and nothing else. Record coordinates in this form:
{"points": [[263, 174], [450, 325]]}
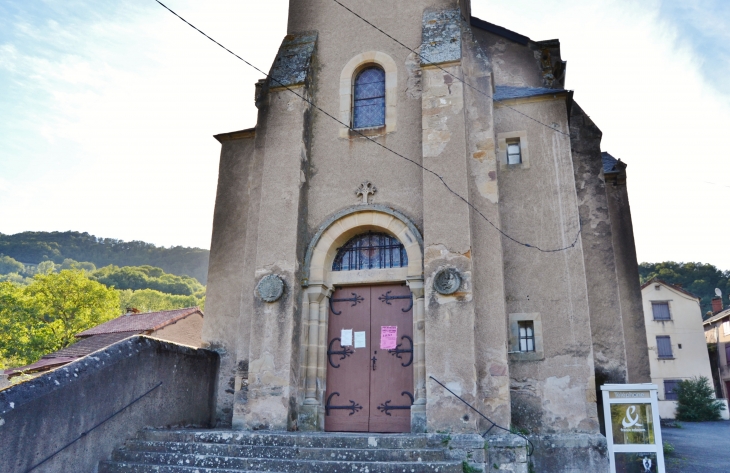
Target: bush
{"points": [[696, 401]]}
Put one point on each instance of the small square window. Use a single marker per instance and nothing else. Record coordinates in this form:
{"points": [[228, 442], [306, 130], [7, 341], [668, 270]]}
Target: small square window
{"points": [[664, 347], [527, 336], [514, 153], [660, 310]]}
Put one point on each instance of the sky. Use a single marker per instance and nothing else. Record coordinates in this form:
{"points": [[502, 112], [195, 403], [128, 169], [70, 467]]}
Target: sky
{"points": [[109, 110]]}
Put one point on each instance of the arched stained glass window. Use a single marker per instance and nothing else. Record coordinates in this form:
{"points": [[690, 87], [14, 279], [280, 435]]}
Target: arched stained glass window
{"points": [[371, 251], [369, 105]]}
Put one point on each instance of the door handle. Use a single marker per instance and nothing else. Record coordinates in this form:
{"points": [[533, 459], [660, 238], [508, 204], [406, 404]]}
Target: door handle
{"points": [[374, 359]]}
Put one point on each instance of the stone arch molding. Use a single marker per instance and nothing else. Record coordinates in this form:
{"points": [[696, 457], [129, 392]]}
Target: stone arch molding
{"points": [[319, 281], [343, 226], [347, 78]]}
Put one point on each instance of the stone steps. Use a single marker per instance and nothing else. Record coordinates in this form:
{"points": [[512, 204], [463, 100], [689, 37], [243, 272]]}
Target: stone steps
{"points": [[216, 451], [289, 453]]}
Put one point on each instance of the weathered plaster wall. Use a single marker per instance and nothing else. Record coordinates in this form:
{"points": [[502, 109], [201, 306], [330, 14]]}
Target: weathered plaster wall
{"points": [[340, 164], [225, 327], [42, 415], [490, 328], [538, 205], [186, 331], [629, 287], [227, 321], [609, 349], [715, 333]]}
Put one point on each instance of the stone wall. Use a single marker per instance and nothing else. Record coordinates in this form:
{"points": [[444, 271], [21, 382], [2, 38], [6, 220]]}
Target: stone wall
{"points": [[609, 348], [91, 406], [231, 269], [629, 286]]}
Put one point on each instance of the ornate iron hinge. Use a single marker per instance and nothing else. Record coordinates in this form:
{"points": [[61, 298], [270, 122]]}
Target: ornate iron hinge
{"points": [[344, 353], [387, 298], [354, 407], [355, 299], [386, 407], [397, 351]]}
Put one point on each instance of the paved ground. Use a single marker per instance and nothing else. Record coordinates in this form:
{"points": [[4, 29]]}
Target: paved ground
{"points": [[700, 447]]}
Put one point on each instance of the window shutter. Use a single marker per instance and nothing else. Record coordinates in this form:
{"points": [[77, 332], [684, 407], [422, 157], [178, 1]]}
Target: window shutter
{"points": [[664, 346], [660, 310], [670, 388]]}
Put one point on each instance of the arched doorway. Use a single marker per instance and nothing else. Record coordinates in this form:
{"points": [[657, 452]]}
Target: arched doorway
{"points": [[365, 281]]}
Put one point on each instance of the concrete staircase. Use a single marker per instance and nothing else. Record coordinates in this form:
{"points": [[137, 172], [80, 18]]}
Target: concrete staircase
{"points": [[220, 451]]}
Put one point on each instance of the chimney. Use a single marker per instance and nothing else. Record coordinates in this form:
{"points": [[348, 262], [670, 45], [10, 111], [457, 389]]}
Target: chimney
{"points": [[716, 305]]}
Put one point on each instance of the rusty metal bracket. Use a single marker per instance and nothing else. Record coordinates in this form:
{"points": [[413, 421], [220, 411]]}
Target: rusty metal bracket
{"points": [[344, 353], [354, 407], [387, 298], [355, 299], [386, 407], [397, 351]]}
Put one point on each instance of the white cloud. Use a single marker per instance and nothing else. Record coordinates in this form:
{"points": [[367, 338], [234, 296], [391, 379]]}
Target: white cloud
{"points": [[642, 84], [112, 113]]}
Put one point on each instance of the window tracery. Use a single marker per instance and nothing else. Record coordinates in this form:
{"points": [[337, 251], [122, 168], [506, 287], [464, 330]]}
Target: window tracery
{"points": [[370, 251], [369, 98]]}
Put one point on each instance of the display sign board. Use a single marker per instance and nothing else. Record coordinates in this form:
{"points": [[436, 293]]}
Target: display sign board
{"points": [[632, 428]]}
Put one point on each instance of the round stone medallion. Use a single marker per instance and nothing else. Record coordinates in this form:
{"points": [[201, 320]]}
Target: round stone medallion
{"points": [[270, 288], [447, 281]]}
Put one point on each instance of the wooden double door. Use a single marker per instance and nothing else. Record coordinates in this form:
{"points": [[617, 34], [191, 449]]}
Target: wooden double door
{"points": [[369, 389]]}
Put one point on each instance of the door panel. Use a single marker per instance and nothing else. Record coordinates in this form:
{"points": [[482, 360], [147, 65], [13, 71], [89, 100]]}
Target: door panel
{"points": [[348, 372], [369, 389], [391, 383]]}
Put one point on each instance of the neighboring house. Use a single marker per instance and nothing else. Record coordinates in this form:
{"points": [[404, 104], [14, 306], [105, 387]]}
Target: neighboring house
{"points": [[182, 326], [674, 334], [717, 332]]}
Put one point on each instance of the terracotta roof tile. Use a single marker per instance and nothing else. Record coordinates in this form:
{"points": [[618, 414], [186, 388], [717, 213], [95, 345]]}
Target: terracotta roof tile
{"points": [[676, 288], [40, 365], [91, 344], [140, 322]]}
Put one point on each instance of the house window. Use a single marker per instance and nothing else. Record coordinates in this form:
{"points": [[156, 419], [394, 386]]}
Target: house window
{"points": [[660, 310], [514, 152], [371, 251], [726, 327], [670, 389], [369, 99], [664, 346], [527, 336], [727, 354]]}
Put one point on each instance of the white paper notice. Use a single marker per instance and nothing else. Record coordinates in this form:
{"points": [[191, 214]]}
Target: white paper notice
{"points": [[346, 338], [359, 339]]}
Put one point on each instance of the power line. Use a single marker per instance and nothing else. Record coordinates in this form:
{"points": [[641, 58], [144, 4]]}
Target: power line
{"points": [[580, 228], [447, 72]]}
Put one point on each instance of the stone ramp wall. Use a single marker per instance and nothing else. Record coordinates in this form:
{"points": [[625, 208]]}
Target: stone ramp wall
{"points": [[93, 405]]}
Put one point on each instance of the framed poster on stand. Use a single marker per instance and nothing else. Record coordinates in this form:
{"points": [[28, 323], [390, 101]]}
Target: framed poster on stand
{"points": [[633, 431]]}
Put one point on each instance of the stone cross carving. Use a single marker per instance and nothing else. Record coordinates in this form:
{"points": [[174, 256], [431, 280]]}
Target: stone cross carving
{"points": [[365, 189]]}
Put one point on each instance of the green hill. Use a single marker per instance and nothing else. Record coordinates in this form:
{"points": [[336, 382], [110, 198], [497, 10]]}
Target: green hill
{"points": [[36, 247], [698, 278]]}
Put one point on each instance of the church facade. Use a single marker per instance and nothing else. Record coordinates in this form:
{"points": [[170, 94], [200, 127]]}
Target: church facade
{"points": [[403, 227]]}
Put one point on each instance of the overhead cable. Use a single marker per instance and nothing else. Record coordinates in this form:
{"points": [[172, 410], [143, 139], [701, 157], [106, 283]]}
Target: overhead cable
{"points": [[439, 177], [447, 72]]}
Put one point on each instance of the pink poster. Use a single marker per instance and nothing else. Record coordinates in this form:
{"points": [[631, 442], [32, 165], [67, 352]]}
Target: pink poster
{"points": [[388, 337]]}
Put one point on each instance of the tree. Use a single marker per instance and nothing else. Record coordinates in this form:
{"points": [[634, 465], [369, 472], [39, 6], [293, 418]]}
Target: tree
{"points": [[9, 265], [44, 316], [35, 247], [696, 401], [149, 300], [147, 277], [698, 278]]}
